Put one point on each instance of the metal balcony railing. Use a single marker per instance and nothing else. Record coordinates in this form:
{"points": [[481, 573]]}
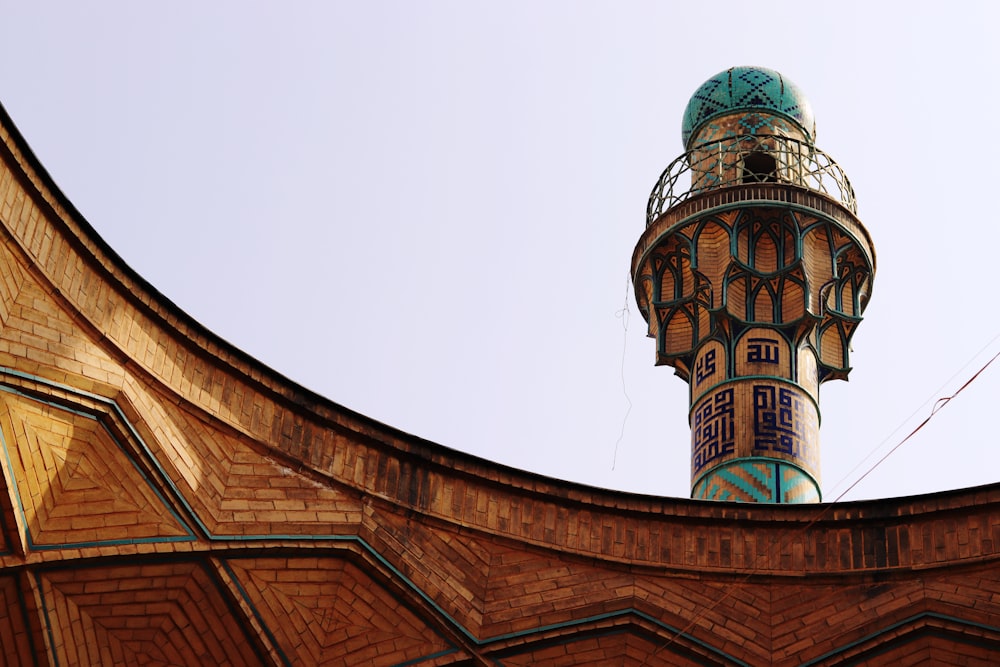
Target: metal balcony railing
{"points": [[750, 159]]}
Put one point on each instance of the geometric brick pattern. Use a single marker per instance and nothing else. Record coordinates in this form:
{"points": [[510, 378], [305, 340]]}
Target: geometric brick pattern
{"points": [[923, 640], [237, 490], [158, 614], [539, 588], [19, 646], [12, 538], [75, 484], [327, 612], [410, 546], [12, 277], [616, 648], [169, 501], [41, 338]]}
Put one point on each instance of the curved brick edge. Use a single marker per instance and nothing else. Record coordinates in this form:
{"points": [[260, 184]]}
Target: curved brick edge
{"points": [[162, 345], [555, 561]]}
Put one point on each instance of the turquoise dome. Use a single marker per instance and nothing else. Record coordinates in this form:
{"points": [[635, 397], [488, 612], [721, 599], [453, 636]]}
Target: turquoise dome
{"points": [[749, 89]]}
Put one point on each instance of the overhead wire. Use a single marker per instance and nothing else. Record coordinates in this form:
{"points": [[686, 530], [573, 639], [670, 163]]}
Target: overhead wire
{"points": [[623, 315], [913, 414]]}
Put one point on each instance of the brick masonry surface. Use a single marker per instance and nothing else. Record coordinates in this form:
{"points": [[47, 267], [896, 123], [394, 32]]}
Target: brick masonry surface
{"points": [[169, 501]]}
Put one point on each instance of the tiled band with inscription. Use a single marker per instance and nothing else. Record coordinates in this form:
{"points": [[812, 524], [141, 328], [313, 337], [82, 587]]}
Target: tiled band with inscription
{"points": [[785, 425], [713, 432], [754, 419]]}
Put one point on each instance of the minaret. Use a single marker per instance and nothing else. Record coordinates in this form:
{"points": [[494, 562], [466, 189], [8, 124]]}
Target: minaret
{"points": [[753, 273]]}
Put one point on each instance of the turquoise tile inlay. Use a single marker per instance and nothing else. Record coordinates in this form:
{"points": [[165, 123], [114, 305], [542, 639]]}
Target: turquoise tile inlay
{"points": [[747, 88], [757, 480], [798, 487], [748, 469]]}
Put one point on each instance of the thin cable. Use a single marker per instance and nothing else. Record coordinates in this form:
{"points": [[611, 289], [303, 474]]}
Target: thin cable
{"points": [[920, 407], [623, 315], [940, 403], [730, 590]]}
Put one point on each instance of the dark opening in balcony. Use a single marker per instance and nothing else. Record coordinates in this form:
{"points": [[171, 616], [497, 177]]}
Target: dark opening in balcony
{"points": [[759, 168]]}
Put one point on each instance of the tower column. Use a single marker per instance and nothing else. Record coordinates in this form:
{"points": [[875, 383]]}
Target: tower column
{"points": [[753, 280], [754, 426]]}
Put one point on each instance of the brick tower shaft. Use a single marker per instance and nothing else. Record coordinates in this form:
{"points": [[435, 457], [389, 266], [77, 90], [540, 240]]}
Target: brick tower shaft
{"points": [[753, 279]]}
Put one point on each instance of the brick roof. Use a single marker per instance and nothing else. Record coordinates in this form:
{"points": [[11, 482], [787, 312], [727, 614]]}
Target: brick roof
{"points": [[169, 500]]}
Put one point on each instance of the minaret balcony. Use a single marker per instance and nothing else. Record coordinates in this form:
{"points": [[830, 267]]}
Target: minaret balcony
{"points": [[747, 168]]}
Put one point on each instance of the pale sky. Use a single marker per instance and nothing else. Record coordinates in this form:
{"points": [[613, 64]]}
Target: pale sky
{"points": [[425, 211]]}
